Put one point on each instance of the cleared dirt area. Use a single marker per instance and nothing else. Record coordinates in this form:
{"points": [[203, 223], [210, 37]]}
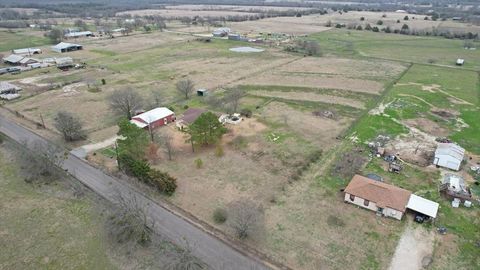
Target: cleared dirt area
{"points": [[308, 96], [172, 13], [315, 81], [320, 131], [289, 25], [352, 68], [428, 126], [414, 249], [221, 71]]}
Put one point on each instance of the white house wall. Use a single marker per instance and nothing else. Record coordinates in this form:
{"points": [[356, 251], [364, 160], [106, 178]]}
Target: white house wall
{"points": [[388, 212]]}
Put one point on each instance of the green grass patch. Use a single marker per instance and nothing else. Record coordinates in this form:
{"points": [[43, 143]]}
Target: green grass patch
{"points": [[371, 126], [469, 137], [414, 49], [104, 52], [20, 39]]}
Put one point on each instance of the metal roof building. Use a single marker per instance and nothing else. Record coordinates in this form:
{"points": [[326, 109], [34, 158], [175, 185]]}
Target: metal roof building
{"points": [[449, 155], [79, 34], [13, 59], [27, 51], [6, 87], [423, 206], [66, 47], [156, 117]]}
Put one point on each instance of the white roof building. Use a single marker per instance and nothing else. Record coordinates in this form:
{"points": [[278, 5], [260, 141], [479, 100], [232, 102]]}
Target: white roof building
{"points": [[449, 155], [6, 87], [79, 34], [150, 117], [27, 51], [423, 206], [460, 61], [13, 59], [66, 47]]}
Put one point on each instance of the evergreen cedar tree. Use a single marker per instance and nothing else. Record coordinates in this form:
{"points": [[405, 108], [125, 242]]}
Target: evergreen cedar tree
{"points": [[131, 159], [206, 130]]}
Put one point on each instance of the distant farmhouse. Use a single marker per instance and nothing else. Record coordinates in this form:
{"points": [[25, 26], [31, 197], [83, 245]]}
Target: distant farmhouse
{"points": [[63, 47], [449, 155], [221, 32], [154, 118], [17, 60]]}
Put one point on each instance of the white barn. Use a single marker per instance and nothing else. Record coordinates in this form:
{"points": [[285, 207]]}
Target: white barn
{"points": [[449, 155]]}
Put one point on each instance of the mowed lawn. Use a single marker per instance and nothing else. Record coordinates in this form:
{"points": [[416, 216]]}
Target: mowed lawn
{"points": [[45, 227], [416, 49], [20, 39]]}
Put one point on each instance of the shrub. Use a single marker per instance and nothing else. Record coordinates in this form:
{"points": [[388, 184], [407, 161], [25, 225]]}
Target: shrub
{"points": [[362, 18], [185, 106], [219, 151], [198, 163], [164, 182], [246, 112], [104, 82], [220, 215], [379, 22]]}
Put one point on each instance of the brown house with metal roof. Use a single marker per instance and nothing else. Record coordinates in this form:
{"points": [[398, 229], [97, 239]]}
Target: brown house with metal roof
{"points": [[386, 200]]}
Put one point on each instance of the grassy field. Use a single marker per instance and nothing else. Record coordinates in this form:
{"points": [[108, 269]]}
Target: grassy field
{"points": [[414, 49], [46, 227], [423, 92], [20, 39]]}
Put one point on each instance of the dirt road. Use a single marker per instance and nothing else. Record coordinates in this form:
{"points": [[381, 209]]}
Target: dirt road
{"points": [[415, 244]]}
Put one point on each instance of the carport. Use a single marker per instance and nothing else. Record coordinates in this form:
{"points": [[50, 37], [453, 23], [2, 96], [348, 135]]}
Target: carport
{"points": [[423, 206]]}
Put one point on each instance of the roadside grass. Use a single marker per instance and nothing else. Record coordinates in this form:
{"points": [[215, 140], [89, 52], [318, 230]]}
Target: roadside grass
{"points": [[20, 39], [108, 152], [397, 47], [45, 228]]}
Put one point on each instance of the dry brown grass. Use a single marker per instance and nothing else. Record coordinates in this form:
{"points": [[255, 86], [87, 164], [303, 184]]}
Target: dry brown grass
{"points": [[309, 96], [172, 13]]}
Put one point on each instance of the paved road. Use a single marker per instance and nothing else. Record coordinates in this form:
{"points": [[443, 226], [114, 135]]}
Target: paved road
{"points": [[179, 229]]}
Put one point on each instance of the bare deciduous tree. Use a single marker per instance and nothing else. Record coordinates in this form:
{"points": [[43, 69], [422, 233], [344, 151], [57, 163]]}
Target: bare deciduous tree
{"points": [[184, 260], [41, 161], [185, 87], [232, 98], [125, 101], [128, 223], [166, 142], [244, 217], [70, 126]]}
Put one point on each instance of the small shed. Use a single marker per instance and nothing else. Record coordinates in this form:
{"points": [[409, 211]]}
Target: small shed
{"points": [[154, 118], [460, 62], [202, 92], [423, 206], [13, 59], [63, 47], [449, 155]]}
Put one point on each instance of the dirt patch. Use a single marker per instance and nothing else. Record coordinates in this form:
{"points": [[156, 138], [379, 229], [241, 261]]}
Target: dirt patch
{"points": [[308, 96], [412, 149], [318, 130], [414, 248], [445, 113], [350, 163], [428, 126]]}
